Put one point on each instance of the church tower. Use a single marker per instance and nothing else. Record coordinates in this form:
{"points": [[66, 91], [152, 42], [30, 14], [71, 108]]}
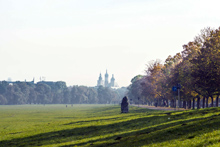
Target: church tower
{"points": [[100, 81], [112, 81], [106, 79]]}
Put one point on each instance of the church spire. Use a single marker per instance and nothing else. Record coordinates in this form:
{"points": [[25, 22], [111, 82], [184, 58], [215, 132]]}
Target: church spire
{"points": [[100, 76], [100, 81], [112, 81], [106, 79]]}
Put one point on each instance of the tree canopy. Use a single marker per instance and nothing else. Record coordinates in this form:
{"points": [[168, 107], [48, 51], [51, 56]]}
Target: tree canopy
{"points": [[196, 69]]}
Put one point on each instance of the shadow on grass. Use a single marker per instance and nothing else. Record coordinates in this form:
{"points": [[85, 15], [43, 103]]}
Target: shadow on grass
{"points": [[181, 130], [120, 116], [77, 133], [200, 111], [187, 129], [141, 110], [96, 120], [153, 134]]}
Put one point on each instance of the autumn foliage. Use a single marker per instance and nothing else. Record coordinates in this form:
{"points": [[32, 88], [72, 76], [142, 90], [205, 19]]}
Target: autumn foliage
{"points": [[196, 68]]}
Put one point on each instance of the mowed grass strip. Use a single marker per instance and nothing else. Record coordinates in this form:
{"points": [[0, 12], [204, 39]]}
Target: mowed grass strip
{"points": [[104, 125]]}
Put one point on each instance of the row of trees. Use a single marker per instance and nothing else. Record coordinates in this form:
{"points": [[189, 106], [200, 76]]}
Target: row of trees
{"points": [[56, 93], [196, 69]]}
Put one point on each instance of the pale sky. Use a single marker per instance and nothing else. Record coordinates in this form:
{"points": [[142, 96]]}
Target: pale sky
{"points": [[75, 40]]}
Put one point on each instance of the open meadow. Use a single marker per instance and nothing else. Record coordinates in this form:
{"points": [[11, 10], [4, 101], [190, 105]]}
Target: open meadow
{"points": [[104, 125]]}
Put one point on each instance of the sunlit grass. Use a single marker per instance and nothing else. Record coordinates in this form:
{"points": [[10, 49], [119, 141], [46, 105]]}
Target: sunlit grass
{"points": [[104, 125]]}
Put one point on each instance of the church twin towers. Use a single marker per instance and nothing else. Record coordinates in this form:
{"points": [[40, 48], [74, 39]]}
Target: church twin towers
{"points": [[105, 83]]}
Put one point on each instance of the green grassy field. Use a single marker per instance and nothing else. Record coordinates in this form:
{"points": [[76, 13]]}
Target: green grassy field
{"points": [[104, 125]]}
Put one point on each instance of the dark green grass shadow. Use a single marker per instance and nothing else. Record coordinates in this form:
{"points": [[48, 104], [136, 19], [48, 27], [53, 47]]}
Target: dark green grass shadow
{"points": [[146, 134], [76, 133], [96, 120], [187, 129]]}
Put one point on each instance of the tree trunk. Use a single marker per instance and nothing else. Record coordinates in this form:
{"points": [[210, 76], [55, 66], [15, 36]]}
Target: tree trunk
{"points": [[198, 102], [167, 102], [159, 102], [193, 103], [189, 104], [203, 102], [212, 101], [184, 104], [207, 101], [174, 103], [216, 101], [171, 104], [156, 103]]}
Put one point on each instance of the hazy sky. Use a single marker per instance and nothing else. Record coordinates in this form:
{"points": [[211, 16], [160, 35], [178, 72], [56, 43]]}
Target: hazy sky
{"points": [[75, 40]]}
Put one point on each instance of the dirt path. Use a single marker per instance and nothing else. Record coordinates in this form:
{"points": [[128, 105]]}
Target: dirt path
{"points": [[159, 108]]}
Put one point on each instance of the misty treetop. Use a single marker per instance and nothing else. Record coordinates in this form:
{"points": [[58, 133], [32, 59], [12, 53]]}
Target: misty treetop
{"points": [[56, 93], [196, 68]]}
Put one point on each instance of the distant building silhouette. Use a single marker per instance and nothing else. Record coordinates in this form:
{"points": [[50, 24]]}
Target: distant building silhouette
{"points": [[100, 81], [50, 83], [28, 82], [106, 79], [106, 83], [112, 84]]}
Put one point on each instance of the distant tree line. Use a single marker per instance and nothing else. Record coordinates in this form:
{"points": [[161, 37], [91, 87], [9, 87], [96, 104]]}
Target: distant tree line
{"points": [[196, 69], [56, 93]]}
